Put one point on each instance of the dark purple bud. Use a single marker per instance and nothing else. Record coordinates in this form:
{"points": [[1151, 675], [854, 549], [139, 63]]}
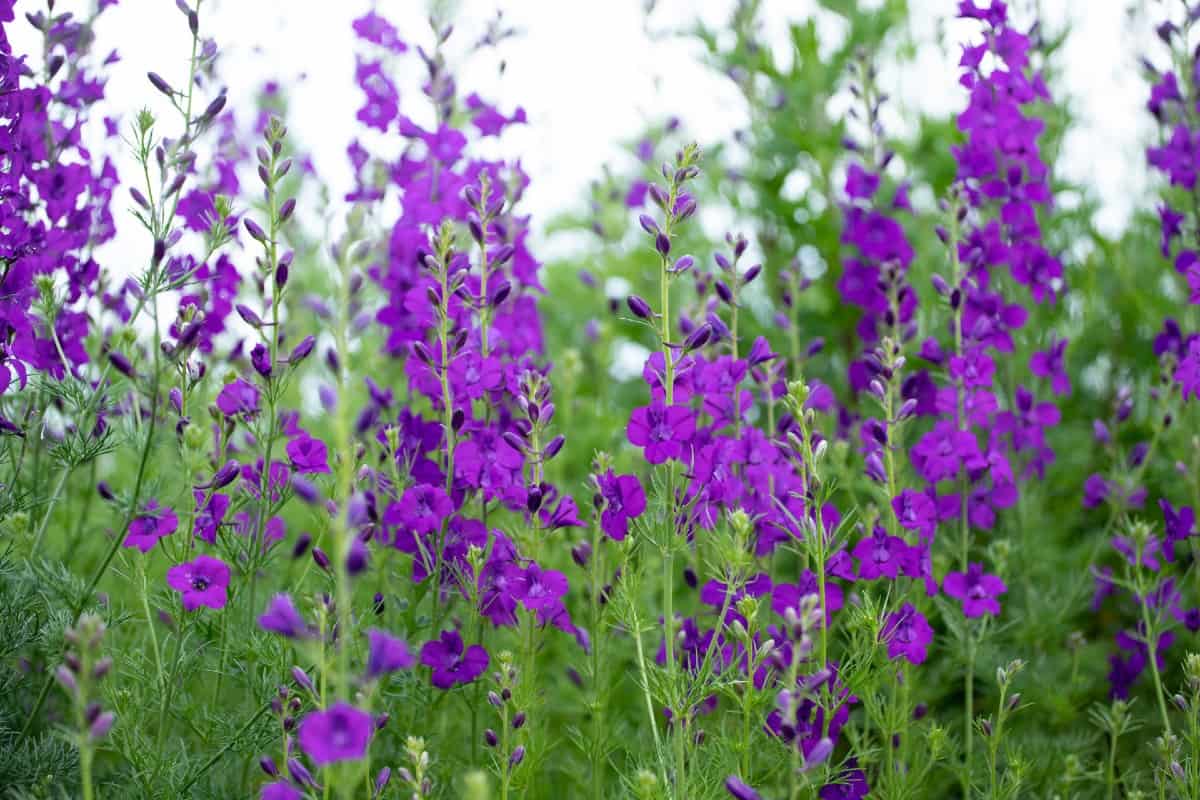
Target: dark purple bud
{"points": [[490, 738], [381, 780], [939, 285], [302, 350], [356, 559], [639, 307], [302, 545], [254, 230], [105, 491], [139, 198], [662, 243], [120, 363], [226, 475], [723, 262], [690, 577], [581, 553], [158, 83], [698, 338], [751, 274], [267, 764], [518, 721], [552, 449], [740, 790], [320, 558], [287, 209], [534, 500], [517, 756], [514, 441], [102, 668], [300, 774], [101, 725], [215, 107], [682, 265], [724, 292], [160, 250], [249, 316], [281, 274]]}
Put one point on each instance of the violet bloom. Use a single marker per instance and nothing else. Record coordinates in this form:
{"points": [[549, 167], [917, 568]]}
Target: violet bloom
{"points": [[282, 617], [308, 454], [152, 524], [851, 784], [203, 581], [238, 398], [916, 512], [880, 555], [340, 733], [907, 634], [662, 430], [450, 663], [537, 589], [942, 451], [740, 789], [1095, 490], [279, 790], [1049, 364], [386, 654], [624, 499], [1178, 525], [421, 510], [978, 592]]}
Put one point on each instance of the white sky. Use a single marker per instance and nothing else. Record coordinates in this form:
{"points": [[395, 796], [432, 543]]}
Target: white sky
{"points": [[589, 75]]}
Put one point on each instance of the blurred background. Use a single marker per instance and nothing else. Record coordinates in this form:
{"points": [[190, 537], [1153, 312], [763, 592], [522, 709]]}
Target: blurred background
{"points": [[592, 76]]}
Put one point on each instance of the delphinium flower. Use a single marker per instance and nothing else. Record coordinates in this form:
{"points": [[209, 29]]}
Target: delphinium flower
{"points": [[338, 733], [1001, 186], [83, 669], [1149, 558], [56, 195], [204, 581]]}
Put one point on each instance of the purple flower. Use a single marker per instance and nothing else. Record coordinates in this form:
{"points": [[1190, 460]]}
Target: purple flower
{"points": [[152, 524], [907, 634], [978, 592], [1187, 374], [420, 512], [204, 581], [662, 430], [238, 398], [307, 454], [1095, 490], [1050, 364], [450, 663], [537, 589], [916, 512], [340, 733], [386, 654], [740, 789], [942, 451], [280, 790], [624, 499], [282, 617], [1178, 525], [879, 555], [851, 784]]}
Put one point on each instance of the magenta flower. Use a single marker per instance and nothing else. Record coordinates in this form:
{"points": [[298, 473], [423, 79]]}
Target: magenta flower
{"points": [[880, 555], [280, 790], [940, 453], [238, 398], [340, 733], [282, 617], [450, 663], [386, 654], [1050, 364], [907, 634], [624, 499], [152, 524], [419, 512], [916, 512], [537, 589], [308, 454], [662, 430], [203, 581], [978, 592]]}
